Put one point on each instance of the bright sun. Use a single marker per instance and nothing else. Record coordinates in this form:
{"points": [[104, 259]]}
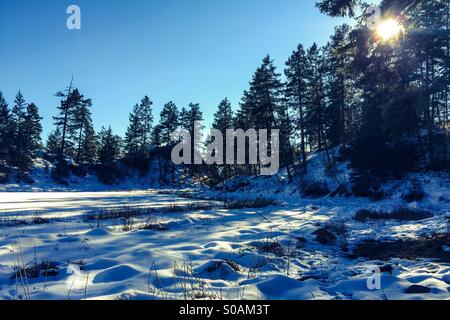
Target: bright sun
{"points": [[389, 29]]}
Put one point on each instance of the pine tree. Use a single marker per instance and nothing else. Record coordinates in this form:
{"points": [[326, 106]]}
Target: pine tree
{"points": [[19, 154], [286, 128], [430, 45], [369, 146], [18, 114], [138, 135], [244, 115], [338, 8], [223, 120], [169, 122], [156, 138], [260, 107], [5, 127], [338, 87], [66, 121], [33, 130], [266, 87], [88, 147], [188, 119], [266, 93], [132, 136], [244, 119], [85, 135], [315, 111], [109, 153], [26, 134], [184, 118], [146, 121], [5, 134], [189, 116], [296, 95], [53, 143], [109, 147]]}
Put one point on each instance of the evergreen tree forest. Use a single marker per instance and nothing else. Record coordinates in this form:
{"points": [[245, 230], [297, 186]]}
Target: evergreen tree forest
{"points": [[381, 104]]}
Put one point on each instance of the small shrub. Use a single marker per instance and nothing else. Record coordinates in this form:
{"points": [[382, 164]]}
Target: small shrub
{"points": [[127, 224], [399, 214], [428, 247], [243, 204], [271, 246], [37, 219], [60, 172], [218, 264], [315, 189], [331, 232], [128, 212], [368, 186], [11, 221], [153, 223], [45, 268], [324, 236], [80, 263], [416, 194], [7, 220]]}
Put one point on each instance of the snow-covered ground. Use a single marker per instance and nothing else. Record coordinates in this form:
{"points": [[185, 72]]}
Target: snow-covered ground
{"points": [[268, 253], [43, 181]]}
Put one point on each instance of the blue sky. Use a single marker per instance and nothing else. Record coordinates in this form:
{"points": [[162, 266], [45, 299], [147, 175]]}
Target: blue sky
{"points": [[172, 50]]}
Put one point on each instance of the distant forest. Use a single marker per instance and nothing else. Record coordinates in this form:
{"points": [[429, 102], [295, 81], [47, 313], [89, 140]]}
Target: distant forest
{"points": [[384, 104]]}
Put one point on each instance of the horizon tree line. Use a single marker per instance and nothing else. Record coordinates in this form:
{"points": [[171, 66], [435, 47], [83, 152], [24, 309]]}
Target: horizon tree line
{"points": [[384, 102]]}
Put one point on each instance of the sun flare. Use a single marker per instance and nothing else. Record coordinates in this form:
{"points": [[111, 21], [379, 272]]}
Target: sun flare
{"points": [[389, 29]]}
